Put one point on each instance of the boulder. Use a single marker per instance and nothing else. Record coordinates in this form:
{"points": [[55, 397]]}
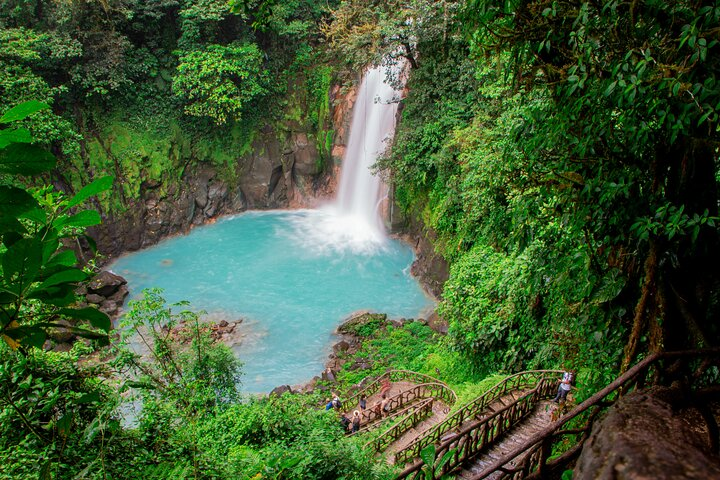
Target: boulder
{"points": [[279, 391], [94, 298], [341, 346], [649, 434], [354, 322], [437, 323], [106, 283]]}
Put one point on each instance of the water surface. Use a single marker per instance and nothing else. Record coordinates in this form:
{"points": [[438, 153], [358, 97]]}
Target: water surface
{"points": [[292, 276]]}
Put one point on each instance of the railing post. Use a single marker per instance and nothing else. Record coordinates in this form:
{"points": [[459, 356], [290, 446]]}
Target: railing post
{"points": [[545, 452]]}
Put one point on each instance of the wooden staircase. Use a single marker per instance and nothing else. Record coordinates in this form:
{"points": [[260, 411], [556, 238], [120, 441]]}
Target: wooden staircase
{"points": [[535, 422]]}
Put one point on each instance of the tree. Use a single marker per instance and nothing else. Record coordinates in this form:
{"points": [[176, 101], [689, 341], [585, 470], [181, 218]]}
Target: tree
{"points": [[39, 273], [635, 98], [189, 373], [385, 31], [218, 81]]}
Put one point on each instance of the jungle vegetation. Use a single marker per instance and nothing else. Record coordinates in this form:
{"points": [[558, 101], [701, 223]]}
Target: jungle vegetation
{"points": [[563, 153]]}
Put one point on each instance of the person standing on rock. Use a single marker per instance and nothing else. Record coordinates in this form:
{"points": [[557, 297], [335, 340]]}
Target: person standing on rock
{"points": [[363, 402]]}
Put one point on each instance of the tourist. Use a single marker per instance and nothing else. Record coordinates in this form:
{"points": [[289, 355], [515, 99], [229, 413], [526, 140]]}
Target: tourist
{"points": [[363, 402], [329, 404], [336, 403], [355, 421], [384, 405], [345, 422], [564, 387], [385, 386]]}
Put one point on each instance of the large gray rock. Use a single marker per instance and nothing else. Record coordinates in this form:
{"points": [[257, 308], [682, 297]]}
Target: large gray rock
{"points": [[648, 435], [106, 284]]}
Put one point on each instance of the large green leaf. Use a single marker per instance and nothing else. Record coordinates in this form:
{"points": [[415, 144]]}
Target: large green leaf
{"points": [[29, 335], [50, 245], [25, 159], [23, 110], [10, 224], [15, 201], [93, 315], [66, 258], [93, 188], [86, 218], [15, 135], [37, 215], [71, 275], [59, 295], [23, 259]]}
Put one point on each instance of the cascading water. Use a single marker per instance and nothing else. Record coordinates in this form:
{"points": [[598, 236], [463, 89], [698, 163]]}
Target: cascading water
{"points": [[354, 222], [371, 131]]}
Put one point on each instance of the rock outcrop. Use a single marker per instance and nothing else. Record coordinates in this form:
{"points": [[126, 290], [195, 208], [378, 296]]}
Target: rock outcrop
{"points": [[649, 435]]}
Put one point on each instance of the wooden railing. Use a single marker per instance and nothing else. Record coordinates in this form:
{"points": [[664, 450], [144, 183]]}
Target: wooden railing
{"points": [[471, 410], [480, 434], [410, 417], [530, 459], [393, 376], [404, 398]]}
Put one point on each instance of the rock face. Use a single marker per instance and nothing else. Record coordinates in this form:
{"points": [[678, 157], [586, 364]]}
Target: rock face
{"points": [[649, 435], [429, 266], [282, 170]]}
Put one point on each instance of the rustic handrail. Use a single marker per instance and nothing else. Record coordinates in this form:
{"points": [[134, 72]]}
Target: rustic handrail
{"points": [[422, 390], [411, 416], [392, 375], [472, 409], [479, 434], [536, 463]]}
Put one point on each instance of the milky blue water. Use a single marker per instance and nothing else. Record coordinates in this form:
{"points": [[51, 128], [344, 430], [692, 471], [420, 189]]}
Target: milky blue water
{"points": [[291, 276]]}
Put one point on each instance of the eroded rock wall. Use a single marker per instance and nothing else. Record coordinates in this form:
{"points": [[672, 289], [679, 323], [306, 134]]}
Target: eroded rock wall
{"points": [[653, 434]]}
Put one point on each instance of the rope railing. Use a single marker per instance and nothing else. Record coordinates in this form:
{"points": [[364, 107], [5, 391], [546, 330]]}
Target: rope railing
{"points": [[536, 451], [479, 434], [471, 410], [392, 375], [410, 417]]}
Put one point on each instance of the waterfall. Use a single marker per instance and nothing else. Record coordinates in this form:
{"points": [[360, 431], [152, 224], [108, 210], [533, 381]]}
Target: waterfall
{"points": [[353, 223], [360, 193]]}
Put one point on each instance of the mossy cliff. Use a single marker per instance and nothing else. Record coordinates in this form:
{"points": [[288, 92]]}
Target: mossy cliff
{"points": [[173, 172]]}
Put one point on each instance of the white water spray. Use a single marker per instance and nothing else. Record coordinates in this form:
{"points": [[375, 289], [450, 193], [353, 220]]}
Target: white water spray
{"points": [[371, 132], [354, 222]]}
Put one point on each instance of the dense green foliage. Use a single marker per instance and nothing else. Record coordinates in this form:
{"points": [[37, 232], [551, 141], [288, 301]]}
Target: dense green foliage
{"points": [[567, 159], [564, 154], [137, 87], [38, 272]]}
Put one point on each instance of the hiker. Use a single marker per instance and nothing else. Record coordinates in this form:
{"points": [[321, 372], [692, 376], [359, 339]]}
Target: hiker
{"points": [[384, 406], [336, 403], [355, 421], [363, 402], [378, 409], [564, 387], [345, 422], [329, 404], [385, 386]]}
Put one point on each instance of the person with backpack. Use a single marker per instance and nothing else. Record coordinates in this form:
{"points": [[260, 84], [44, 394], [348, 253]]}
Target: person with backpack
{"points": [[565, 386], [355, 421]]}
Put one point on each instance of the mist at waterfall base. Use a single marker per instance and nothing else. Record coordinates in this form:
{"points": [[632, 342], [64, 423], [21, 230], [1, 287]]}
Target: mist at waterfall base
{"points": [[290, 275], [293, 276]]}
